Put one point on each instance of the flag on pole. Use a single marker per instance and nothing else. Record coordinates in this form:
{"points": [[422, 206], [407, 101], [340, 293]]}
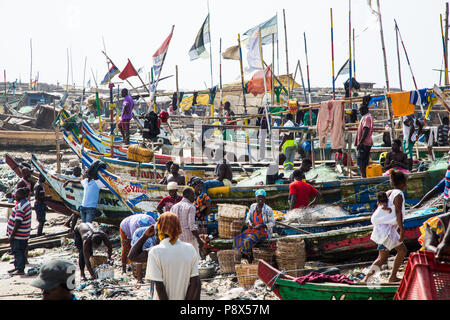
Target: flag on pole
{"points": [[128, 71], [232, 53], [268, 28], [203, 37], [374, 12], [158, 57], [254, 54], [345, 69], [113, 71], [256, 84]]}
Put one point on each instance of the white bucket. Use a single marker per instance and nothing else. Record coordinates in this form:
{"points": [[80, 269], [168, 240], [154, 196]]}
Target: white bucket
{"points": [[105, 272]]}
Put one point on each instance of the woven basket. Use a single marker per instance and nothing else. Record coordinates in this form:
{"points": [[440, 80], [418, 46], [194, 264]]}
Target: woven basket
{"points": [[97, 261], [231, 220], [265, 254], [247, 274], [133, 268], [291, 255], [227, 260]]}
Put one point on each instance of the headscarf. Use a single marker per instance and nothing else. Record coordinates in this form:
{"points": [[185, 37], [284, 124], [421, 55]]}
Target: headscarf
{"points": [[169, 225], [146, 221], [195, 181]]}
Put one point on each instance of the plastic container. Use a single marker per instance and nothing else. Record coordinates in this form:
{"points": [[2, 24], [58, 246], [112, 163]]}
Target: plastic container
{"points": [[219, 190], [105, 272], [374, 170], [425, 278]]}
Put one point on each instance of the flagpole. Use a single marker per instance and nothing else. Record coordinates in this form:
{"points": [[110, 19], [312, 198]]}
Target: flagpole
{"points": [[273, 66], [445, 53], [332, 54], [350, 50], [303, 82], [388, 106], [153, 94], [139, 77], [406, 54], [31, 62], [307, 72], [210, 46], [354, 54], [220, 78], [243, 94], [446, 38], [287, 59], [398, 57]]}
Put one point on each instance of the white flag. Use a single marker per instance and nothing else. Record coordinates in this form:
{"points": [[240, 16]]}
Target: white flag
{"points": [[253, 55]]}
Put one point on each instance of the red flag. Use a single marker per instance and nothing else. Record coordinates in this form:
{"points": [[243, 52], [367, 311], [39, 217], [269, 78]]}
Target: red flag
{"points": [[256, 85], [128, 71]]}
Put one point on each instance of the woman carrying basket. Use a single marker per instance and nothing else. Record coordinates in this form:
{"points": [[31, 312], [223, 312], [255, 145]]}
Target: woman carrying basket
{"points": [[260, 222]]}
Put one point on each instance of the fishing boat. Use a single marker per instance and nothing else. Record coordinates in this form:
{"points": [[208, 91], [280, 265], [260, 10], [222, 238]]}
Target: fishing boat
{"points": [[36, 140], [286, 287], [347, 243], [112, 210], [55, 202]]}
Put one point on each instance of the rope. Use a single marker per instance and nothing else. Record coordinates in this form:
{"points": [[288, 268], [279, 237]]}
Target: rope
{"points": [[274, 279]]}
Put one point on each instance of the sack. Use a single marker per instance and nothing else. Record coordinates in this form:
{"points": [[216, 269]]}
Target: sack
{"points": [[151, 129]]}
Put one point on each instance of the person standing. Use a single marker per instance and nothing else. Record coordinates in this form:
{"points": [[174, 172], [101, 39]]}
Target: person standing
{"points": [[18, 230], [364, 140], [300, 192], [185, 212], [169, 201], [443, 130], [127, 227], [396, 199], [92, 187], [173, 264], [57, 280], [39, 205], [125, 117], [410, 133], [288, 145]]}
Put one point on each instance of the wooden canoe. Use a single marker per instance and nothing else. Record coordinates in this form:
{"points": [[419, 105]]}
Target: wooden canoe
{"points": [[36, 140], [347, 243], [286, 288], [56, 202]]}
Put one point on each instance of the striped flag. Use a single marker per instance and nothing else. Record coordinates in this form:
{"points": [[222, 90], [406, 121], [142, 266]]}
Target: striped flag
{"points": [[203, 37], [113, 71], [160, 54], [268, 28]]}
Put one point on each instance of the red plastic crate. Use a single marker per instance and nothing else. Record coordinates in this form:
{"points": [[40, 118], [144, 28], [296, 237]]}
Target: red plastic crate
{"points": [[425, 278]]}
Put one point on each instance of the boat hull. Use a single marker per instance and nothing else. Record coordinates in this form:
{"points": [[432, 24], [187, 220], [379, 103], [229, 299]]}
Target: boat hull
{"points": [[286, 288]]}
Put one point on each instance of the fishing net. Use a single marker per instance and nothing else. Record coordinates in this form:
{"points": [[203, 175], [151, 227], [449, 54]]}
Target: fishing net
{"points": [[314, 214]]}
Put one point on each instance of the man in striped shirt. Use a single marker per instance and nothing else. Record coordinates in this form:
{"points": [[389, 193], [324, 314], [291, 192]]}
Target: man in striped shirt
{"points": [[18, 230]]}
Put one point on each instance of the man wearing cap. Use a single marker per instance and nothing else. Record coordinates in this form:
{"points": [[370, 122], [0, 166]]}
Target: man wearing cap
{"points": [[185, 212], [127, 227], [57, 280], [169, 201]]}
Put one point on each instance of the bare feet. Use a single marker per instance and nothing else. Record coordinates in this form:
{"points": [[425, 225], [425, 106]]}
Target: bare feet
{"points": [[18, 273], [394, 280]]}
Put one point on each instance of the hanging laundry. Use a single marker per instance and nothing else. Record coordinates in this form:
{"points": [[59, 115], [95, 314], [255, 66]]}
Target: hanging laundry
{"points": [[400, 104], [375, 100], [330, 118], [419, 97]]}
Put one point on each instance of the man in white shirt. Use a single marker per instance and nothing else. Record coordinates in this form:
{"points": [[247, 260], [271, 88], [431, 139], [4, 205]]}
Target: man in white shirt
{"points": [[173, 264], [410, 134]]}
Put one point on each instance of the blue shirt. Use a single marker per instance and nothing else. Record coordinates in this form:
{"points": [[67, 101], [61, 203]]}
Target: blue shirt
{"points": [[447, 185], [138, 234], [91, 192]]}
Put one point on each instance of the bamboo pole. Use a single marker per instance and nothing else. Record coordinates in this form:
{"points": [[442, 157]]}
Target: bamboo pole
{"points": [[220, 78], [354, 54], [445, 53], [58, 147], [287, 54], [273, 67], [446, 40], [332, 54], [350, 49], [303, 82], [398, 59], [388, 106]]}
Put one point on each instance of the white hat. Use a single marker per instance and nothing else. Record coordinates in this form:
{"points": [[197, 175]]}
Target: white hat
{"points": [[172, 186]]}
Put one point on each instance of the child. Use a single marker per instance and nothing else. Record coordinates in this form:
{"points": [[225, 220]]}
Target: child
{"points": [[18, 230], [385, 224]]}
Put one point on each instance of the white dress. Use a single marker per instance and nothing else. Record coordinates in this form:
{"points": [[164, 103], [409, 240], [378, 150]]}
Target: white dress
{"points": [[385, 223]]}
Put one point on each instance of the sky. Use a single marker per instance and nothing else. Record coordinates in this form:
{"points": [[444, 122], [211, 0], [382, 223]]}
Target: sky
{"points": [[134, 29]]}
